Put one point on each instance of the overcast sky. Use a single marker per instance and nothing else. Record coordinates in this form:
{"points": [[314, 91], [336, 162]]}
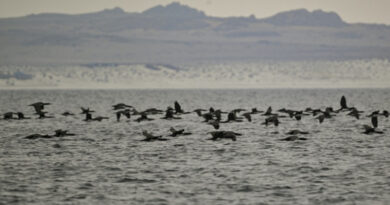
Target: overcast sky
{"points": [[370, 11]]}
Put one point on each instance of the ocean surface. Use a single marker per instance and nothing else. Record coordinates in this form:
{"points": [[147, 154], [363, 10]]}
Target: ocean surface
{"points": [[106, 163]]}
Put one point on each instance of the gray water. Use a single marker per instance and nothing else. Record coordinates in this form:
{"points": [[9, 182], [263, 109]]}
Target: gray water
{"points": [[106, 163]]}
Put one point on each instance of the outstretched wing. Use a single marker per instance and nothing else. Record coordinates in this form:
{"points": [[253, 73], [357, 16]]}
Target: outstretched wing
{"points": [[343, 102], [374, 121]]}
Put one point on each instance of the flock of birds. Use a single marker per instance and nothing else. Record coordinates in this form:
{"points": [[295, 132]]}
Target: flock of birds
{"points": [[212, 117]]}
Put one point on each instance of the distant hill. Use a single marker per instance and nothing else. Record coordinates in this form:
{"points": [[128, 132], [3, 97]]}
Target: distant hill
{"points": [[302, 17], [174, 10], [177, 33]]}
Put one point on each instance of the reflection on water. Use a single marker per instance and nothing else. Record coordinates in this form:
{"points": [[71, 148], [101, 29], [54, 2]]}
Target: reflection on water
{"points": [[107, 164]]}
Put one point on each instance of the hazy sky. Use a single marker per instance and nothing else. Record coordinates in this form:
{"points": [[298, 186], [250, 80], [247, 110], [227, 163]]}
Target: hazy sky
{"points": [[371, 11]]}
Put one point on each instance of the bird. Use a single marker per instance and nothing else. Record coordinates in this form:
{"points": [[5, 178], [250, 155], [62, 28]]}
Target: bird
{"points": [[214, 123], [57, 133], [293, 138], [216, 135], [296, 132], [385, 113], [354, 113], [169, 114], [149, 137], [255, 111], [37, 136], [67, 113], [369, 130], [199, 111], [208, 116], [8, 116], [218, 115], [21, 116], [343, 103], [88, 117], [62, 133], [238, 110], [42, 115], [272, 119], [320, 118], [125, 112], [143, 117], [121, 106], [232, 118], [86, 110], [247, 115], [268, 112], [375, 113], [178, 132], [99, 118], [39, 106], [153, 111], [178, 108]]}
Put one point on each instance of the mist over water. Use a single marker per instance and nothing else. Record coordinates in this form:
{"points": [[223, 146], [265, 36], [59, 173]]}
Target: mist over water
{"points": [[363, 73], [106, 163]]}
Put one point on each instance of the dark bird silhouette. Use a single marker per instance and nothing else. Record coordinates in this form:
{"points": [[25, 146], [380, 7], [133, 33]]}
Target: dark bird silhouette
{"points": [[238, 110], [86, 110], [268, 112], [8, 116], [375, 113], [290, 113], [216, 135], [149, 137], [343, 103], [120, 106], [199, 112], [99, 118], [272, 119], [62, 133], [178, 108], [248, 116], [37, 136], [385, 113], [176, 133], [57, 133], [143, 117], [354, 113], [125, 112], [297, 132], [232, 118], [255, 111], [67, 113], [298, 115], [293, 138], [39, 106], [153, 111], [169, 115], [320, 118], [42, 115], [21, 116], [369, 130], [88, 117], [214, 123], [218, 115], [208, 116]]}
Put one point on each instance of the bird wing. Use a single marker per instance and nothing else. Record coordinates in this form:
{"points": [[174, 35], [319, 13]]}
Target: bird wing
{"points": [[374, 121], [343, 102]]}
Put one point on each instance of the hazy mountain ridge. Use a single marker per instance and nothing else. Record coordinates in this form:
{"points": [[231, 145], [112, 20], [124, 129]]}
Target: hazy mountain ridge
{"points": [[177, 34]]}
